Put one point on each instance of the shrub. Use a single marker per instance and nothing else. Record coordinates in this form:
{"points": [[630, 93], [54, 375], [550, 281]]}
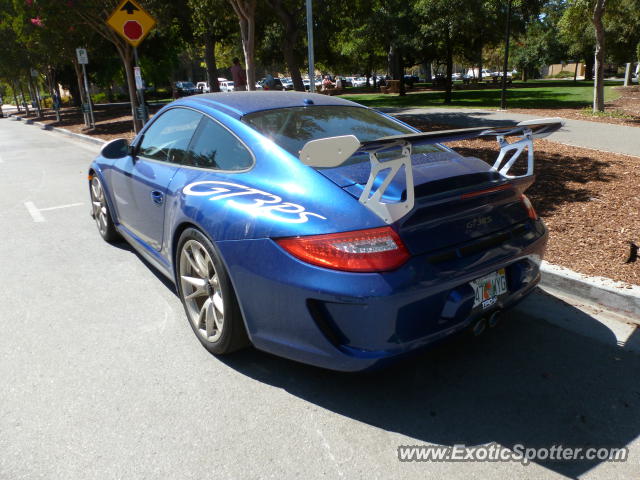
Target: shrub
{"points": [[100, 98], [562, 74]]}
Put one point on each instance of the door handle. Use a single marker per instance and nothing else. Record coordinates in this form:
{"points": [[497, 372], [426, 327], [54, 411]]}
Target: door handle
{"points": [[157, 196]]}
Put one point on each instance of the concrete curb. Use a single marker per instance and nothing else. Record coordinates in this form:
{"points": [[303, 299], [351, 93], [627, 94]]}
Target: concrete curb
{"points": [[78, 136], [64, 131], [43, 126], [616, 296]]}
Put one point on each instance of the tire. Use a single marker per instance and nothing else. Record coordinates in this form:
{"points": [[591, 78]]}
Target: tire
{"points": [[100, 211], [207, 295]]}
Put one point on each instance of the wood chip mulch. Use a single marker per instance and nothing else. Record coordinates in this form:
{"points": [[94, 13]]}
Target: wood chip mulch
{"points": [[589, 200]]}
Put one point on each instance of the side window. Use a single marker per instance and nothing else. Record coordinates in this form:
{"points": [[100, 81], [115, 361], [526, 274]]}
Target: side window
{"points": [[213, 146], [168, 137]]}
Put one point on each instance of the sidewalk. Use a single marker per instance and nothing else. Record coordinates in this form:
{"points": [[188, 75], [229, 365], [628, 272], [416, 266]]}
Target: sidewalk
{"points": [[580, 133]]}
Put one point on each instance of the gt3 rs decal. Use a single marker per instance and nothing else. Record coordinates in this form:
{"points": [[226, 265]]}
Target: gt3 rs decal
{"points": [[257, 202]]}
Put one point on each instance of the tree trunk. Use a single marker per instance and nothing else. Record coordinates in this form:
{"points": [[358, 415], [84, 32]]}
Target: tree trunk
{"points": [[627, 74], [588, 68], [246, 13], [34, 95], [24, 99], [291, 33], [448, 82], [402, 91], [81, 93], [598, 87], [427, 72], [292, 63], [575, 72], [210, 61], [289, 50], [15, 98], [480, 63]]}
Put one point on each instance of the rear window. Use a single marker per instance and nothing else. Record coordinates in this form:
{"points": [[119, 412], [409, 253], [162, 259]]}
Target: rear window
{"points": [[292, 127]]}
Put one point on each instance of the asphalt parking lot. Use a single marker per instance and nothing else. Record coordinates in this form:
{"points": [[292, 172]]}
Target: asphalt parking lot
{"points": [[103, 378]]}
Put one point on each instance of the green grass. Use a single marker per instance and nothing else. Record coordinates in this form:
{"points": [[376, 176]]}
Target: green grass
{"points": [[532, 94]]}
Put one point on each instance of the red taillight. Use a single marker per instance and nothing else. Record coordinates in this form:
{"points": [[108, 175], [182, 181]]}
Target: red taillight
{"points": [[486, 191], [373, 250], [531, 212]]}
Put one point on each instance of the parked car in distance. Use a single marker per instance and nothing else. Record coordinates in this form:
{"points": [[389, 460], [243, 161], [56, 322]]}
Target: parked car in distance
{"points": [[359, 82], [287, 83], [203, 87], [184, 89], [227, 86], [277, 84], [346, 81]]}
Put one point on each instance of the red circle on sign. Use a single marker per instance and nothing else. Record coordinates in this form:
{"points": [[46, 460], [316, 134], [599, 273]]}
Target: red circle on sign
{"points": [[132, 30]]}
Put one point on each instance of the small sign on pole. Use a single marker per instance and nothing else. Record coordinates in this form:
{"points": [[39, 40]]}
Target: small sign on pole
{"points": [[138, 76], [83, 58]]}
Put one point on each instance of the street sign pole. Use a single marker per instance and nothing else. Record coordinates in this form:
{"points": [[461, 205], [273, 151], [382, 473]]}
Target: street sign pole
{"points": [[312, 67], [144, 117], [133, 24], [503, 95], [92, 122]]}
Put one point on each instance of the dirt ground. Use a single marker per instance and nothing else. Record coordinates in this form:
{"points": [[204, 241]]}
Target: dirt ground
{"points": [[111, 121], [589, 200]]}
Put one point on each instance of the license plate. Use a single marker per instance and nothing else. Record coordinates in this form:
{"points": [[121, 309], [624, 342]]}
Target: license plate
{"points": [[487, 289]]}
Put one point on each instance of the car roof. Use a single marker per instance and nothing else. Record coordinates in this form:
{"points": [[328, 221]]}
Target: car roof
{"points": [[238, 104]]}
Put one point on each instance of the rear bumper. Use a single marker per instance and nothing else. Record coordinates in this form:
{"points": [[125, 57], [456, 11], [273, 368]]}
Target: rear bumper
{"points": [[357, 321]]}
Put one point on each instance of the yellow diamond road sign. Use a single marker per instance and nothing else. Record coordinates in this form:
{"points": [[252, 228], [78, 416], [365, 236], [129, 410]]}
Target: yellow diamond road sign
{"points": [[131, 22]]}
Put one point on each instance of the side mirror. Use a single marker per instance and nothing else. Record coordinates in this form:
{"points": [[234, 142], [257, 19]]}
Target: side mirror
{"points": [[116, 149]]}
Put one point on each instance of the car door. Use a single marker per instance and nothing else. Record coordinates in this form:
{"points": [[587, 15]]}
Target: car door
{"points": [[141, 183], [215, 154]]}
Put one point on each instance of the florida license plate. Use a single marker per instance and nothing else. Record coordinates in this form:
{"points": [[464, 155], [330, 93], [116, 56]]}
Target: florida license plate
{"points": [[488, 289]]}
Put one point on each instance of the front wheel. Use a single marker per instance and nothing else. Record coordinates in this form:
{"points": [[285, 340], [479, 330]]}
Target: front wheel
{"points": [[100, 211], [207, 295]]}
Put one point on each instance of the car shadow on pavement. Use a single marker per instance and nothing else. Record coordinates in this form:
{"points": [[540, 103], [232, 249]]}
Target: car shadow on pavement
{"points": [[123, 245], [524, 382]]}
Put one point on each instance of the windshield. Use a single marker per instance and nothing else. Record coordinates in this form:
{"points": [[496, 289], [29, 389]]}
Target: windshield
{"points": [[187, 84], [292, 127]]}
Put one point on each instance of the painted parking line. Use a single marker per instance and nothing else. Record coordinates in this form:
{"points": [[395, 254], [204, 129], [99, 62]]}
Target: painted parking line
{"points": [[61, 206], [36, 213]]}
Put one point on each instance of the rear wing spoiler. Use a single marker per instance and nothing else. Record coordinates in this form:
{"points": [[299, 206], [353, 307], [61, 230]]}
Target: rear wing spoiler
{"points": [[335, 151]]}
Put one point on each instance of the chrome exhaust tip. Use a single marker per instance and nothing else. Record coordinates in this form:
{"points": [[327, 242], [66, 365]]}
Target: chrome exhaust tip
{"points": [[479, 327], [494, 319]]}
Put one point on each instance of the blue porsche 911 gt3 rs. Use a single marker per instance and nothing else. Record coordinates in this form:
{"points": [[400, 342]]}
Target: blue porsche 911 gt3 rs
{"points": [[320, 230]]}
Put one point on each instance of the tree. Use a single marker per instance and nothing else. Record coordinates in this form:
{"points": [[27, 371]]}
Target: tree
{"points": [[246, 12], [577, 33], [211, 28], [443, 27], [539, 45], [93, 14], [598, 87], [290, 14]]}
